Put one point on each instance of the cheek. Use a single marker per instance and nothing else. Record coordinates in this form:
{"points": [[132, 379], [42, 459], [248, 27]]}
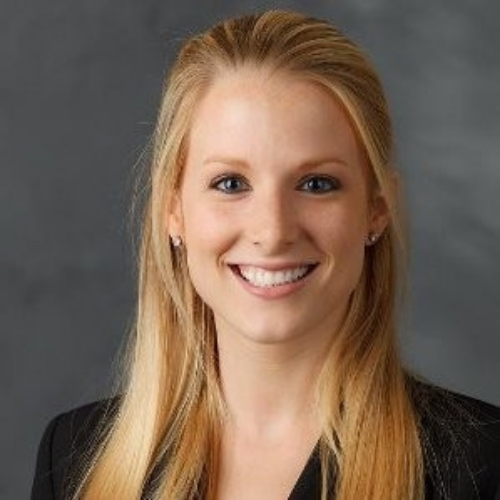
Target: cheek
{"points": [[343, 239], [208, 229], [351, 258], [341, 228]]}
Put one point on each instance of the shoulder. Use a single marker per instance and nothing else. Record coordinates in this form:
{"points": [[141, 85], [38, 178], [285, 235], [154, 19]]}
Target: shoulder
{"points": [[461, 442], [67, 439]]}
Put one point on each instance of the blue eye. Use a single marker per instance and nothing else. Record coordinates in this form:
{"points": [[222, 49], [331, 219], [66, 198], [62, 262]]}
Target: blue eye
{"points": [[234, 184], [320, 184], [229, 184]]}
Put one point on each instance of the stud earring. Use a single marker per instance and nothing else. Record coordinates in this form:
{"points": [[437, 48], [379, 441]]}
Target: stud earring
{"points": [[176, 241], [372, 238]]}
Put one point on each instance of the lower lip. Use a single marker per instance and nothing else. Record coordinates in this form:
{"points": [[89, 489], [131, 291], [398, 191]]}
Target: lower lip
{"points": [[272, 292]]}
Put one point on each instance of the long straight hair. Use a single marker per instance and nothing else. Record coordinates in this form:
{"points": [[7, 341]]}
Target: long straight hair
{"points": [[162, 440]]}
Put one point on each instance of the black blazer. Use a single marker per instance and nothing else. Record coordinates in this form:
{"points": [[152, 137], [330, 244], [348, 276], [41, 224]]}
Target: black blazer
{"points": [[468, 450]]}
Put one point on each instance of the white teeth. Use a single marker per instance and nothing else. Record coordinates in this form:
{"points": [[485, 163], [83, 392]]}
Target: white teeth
{"points": [[264, 278]]}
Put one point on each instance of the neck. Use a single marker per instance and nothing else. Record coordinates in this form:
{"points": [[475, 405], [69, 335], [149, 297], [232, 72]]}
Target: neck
{"points": [[269, 387]]}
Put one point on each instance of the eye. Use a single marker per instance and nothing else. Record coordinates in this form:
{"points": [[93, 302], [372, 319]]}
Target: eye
{"points": [[320, 184], [232, 184], [229, 184]]}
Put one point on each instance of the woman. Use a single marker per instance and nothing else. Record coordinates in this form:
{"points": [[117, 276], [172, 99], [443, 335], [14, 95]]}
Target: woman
{"points": [[264, 361]]}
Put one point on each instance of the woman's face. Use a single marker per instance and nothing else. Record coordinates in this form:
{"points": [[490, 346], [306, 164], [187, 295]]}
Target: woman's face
{"points": [[274, 186]]}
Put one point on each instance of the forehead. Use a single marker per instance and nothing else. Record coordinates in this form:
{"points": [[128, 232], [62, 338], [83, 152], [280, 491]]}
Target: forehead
{"points": [[271, 119]]}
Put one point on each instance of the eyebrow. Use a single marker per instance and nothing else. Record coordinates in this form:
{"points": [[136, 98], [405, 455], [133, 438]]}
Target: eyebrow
{"points": [[302, 166]]}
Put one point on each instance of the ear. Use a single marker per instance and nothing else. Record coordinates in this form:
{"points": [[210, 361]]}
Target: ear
{"points": [[379, 207], [379, 214], [175, 219]]}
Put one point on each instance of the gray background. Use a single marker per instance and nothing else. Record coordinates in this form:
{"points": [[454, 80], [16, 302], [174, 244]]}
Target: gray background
{"points": [[79, 89]]}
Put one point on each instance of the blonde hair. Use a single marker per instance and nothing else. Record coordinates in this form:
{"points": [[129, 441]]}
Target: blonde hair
{"points": [[165, 432]]}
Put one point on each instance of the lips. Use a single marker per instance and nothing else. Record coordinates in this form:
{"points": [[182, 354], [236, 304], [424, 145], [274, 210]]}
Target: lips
{"points": [[264, 289], [276, 266], [310, 268]]}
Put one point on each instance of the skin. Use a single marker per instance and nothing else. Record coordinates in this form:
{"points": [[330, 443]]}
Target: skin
{"points": [[270, 212]]}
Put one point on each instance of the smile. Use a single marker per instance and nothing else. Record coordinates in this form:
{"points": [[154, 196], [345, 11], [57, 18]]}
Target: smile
{"points": [[265, 278], [272, 284]]}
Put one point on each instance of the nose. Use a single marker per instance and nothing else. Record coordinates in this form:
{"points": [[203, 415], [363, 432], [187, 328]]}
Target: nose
{"points": [[273, 221]]}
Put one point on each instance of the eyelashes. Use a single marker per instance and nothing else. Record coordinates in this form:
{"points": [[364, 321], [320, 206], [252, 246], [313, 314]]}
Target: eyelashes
{"points": [[235, 184]]}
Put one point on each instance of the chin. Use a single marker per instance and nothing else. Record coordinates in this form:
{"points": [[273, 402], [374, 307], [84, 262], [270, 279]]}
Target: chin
{"points": [[269, 334]]}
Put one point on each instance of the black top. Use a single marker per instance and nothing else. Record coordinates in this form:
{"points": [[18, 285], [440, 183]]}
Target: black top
{"points": [[466, 449]]}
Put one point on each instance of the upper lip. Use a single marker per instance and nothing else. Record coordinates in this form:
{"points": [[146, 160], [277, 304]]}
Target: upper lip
{"points": [[275, 266]]}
